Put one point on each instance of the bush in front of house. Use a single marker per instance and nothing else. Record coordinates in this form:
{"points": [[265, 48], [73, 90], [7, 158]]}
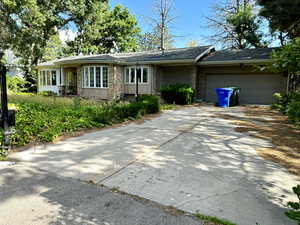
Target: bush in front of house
{"points": [[289, 104], [150, 103], [182, 94], [42, 122]]}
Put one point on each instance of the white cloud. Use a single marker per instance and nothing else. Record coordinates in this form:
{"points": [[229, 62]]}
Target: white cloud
{"points": [[67, 35]]}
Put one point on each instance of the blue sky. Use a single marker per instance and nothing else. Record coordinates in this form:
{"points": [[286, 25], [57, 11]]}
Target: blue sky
{"points": [[190, 17]]}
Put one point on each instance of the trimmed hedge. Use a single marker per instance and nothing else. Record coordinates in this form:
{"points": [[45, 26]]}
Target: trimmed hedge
{"points": [[150, 103], [182, 94], [38, 122], [289, 104]]}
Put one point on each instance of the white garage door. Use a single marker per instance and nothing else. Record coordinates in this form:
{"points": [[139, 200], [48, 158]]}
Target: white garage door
{"points": [[255, 89]]}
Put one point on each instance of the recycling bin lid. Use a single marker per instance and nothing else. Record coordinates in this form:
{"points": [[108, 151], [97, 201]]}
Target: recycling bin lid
{"points": [[224, 89]]}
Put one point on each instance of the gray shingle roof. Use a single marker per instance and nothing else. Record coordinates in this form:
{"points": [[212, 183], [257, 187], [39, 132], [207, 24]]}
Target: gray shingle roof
{"points": [[243, 54], [148, 56], [171, 54]]}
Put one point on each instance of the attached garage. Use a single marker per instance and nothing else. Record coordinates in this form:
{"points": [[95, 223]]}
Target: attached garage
{"points": [[255, 88], [239, 68]]}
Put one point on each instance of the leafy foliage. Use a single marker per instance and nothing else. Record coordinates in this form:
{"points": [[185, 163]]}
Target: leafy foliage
{"points": [[294, 112], [181, 94], [28, 25], [105, 30], [46, 120], [287, 57], [235, 25], [287, 60], [3, 152], [150, 103], [283, 15], [289, 104], [16, 84], [53, 48], [246, 27], [294, 214]]}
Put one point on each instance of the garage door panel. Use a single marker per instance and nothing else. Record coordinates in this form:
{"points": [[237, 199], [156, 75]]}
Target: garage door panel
{"points": [[255, 89]]}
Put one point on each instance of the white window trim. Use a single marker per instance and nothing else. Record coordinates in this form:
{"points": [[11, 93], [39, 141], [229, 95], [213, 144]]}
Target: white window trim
{"points": [[88, 77], [41, 78], [142, 71]]}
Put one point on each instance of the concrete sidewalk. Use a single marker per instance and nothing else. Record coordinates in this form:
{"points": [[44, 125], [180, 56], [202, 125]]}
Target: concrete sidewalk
{"points": [[189, 159]]}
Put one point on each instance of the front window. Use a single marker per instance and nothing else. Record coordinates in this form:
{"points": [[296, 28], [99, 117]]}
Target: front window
{"points": [[95, 77], [104, 76], [48, 77], [53, 73], [133, 74]]}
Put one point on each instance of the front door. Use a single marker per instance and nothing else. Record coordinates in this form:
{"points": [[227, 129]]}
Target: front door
{"points": [[71, 81]]}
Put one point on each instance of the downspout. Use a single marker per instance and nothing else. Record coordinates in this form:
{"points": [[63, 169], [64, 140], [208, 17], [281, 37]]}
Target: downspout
{"points": [[152, 78]]}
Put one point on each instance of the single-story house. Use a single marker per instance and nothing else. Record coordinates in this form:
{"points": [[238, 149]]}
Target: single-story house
{"points": [[112, 76]]}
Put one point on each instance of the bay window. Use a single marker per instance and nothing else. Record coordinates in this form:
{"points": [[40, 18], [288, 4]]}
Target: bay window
{"points": [[95, 77], [140, 73]]}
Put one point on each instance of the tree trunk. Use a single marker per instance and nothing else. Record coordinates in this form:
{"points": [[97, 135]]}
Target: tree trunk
{"points": [[162, 38]]}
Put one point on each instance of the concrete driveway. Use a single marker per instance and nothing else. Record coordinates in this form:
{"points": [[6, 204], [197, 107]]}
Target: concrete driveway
{"points": [[190, 159]]}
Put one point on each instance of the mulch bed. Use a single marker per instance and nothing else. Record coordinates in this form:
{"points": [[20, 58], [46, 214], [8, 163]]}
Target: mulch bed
{"points": [[264, 123]]}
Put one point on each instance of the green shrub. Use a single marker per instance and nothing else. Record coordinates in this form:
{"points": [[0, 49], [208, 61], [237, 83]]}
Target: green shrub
{"points": [[181, 94], [3, 152], [284, 100], [16, 84], [294, 213], [42, 122], [289, 104], [293, 112], [150, 103]]}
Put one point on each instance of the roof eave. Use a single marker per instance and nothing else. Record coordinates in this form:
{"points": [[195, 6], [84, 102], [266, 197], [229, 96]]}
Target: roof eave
{"points": [[254, 61], [160, 62], [203, 54], [60, 63], [117, 62]]}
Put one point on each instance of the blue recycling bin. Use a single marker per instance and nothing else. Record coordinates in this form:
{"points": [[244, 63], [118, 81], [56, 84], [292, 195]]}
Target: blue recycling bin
{"points": [[224, 95]]}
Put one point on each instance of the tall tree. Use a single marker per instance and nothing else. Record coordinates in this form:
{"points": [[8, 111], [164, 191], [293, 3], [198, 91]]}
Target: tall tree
{"points": [[283, 16], [152, 40], [161, 23], [104, 31], [29, 24], [235, 25], [53, 49], [148, 41]]}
